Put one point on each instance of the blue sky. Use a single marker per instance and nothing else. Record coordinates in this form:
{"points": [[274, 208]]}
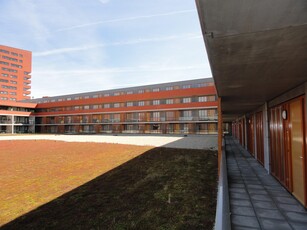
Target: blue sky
{"points": [[89, 45]]}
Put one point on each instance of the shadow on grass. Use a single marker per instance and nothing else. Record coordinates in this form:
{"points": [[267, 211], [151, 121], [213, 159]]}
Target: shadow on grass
{"points": [[163, 188]]}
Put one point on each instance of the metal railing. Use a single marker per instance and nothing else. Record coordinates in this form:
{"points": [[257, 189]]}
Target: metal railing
{"points": [[222, 216]]}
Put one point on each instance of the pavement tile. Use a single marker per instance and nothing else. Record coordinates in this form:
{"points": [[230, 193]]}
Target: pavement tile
{"points": [[236, 185], [257, 191], [264, 204], [234, 195], [270, 224], [245, 203], [253, 186], [287, 200], [298, 226], [261, 197], [297, 217], [243, 211], [245, 221], [237, 190], [235, 227], [272, 214], [291, 208]]}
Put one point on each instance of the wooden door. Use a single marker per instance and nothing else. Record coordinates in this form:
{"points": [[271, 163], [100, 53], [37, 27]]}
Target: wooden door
{"points": [[297, 149], [259, 137]]}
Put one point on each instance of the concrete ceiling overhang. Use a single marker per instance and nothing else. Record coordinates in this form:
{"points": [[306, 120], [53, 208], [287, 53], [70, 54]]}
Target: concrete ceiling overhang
{"points": [[257, 49]]}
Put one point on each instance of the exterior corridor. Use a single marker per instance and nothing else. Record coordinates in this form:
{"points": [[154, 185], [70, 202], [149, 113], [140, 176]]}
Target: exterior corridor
{"points": [[257, 200]]}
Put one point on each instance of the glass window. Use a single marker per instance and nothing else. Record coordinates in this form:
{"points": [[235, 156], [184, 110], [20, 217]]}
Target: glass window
{"points": [[116, 105], [156, 102], [106, 106], [129, 104], [202, 99], [169, 101], [156, 90], [141, 103], [169, 88], [186, 100]]}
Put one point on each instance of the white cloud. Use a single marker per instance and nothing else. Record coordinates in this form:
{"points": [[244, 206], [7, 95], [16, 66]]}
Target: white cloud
{"points": [[125, 19], [104, 1], [130, 42]]}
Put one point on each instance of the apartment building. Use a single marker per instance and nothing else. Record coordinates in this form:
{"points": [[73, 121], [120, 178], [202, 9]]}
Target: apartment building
{"points": [[17, 117], [15, 70], [171, 108]]}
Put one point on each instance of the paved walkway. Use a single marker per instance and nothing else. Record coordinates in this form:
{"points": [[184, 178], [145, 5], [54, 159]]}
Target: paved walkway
{"points": [[168, 141], [257, 200]]}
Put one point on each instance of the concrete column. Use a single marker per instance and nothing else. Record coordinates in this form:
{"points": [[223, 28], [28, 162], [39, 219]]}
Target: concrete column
{"points": [[13, 123], [266, 136]]}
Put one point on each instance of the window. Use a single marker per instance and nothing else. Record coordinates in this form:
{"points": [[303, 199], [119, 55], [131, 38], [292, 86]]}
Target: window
{"points": [[20, 55], [186, 100], [4, 63], [95, 96], [156, 90], [106, 95], [141, 91], [186, 115], [3, 80], [130, 92], [86, 97], [155, 116], [116, 93], [203, 114], [86, 107], [68, 99], [170, 115], [17, 66], [4, 51], [95, 106], [129, 104], [9, 70], [106, 106], [141, 103], [4, 75], [169, 88], [202, 99], [3, 92], [156, 102], [186, 86], [15, 82], [211, 98], [199, 85], [20, 61], [169, 101], [116, 105], [14, 54]]}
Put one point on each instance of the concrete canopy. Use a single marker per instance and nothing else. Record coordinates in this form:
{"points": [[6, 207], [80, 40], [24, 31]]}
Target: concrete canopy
{"points": [[257, 49]]}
